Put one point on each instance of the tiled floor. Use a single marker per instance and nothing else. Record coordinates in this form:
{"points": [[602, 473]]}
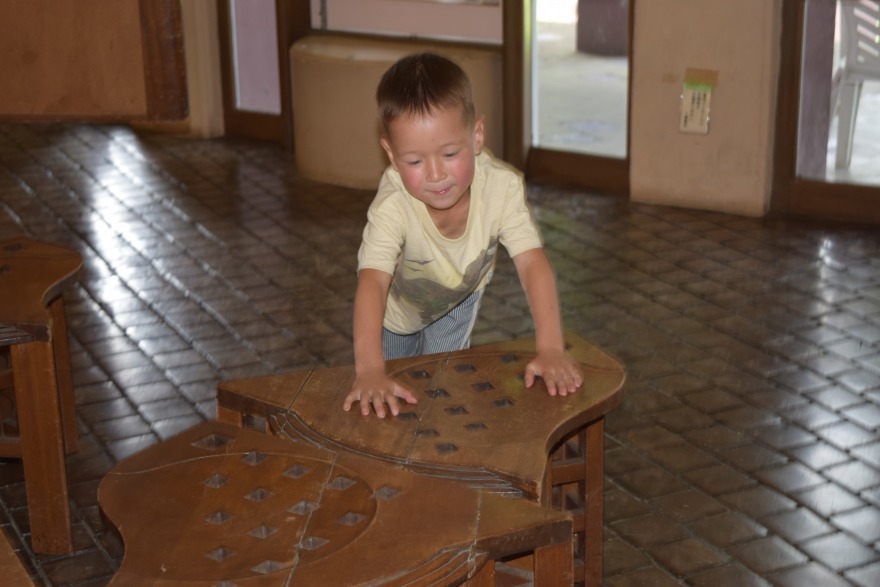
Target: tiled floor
{"points": [[746, 450]]}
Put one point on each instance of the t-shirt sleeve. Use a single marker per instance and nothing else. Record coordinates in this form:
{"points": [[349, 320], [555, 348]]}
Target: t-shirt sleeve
{"points": [[383, 235], [519, 231]]}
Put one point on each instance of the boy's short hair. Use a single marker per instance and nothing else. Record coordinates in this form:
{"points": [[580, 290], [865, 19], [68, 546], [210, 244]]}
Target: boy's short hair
{"points": [[421, 83]]}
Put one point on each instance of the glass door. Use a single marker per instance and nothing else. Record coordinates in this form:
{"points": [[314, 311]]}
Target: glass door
{"points": [[581, 76], [828, 131], [580, 86], [840, 92]]}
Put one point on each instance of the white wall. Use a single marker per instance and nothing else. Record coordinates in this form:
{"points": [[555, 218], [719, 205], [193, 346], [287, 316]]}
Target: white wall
{"points": [[730, 168], [462, 20]]}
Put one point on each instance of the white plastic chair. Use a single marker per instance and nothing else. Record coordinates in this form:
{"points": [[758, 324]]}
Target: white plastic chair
{"points": [[859, 61]]}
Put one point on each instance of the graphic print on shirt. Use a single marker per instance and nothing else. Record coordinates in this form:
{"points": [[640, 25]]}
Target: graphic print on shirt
{"points": [[412, 287]]}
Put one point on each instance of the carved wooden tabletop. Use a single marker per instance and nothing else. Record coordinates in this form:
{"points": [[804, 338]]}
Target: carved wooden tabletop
{"points": [[475, 421], [222, 505]]}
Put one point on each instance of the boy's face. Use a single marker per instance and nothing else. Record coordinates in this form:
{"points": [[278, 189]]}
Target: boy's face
{"points": [[435, 156]]}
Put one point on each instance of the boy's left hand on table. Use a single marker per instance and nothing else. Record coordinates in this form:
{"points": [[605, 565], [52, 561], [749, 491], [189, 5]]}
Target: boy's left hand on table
{"points": [[561, 374]]}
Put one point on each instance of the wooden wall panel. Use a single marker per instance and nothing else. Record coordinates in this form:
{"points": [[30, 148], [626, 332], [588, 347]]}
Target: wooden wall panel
{"points": [[86, 60]]}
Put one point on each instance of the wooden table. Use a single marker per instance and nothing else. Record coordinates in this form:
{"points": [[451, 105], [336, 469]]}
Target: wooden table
{"points": [[223, 505], [32, 323], [475, 423]]}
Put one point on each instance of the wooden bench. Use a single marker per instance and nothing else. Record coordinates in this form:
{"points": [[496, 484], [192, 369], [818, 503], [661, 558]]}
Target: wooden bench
{"points": [[33, 276], [475, 423], [223, 505]]}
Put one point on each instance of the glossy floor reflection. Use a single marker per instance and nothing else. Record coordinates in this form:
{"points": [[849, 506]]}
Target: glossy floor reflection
{"points": [[746, 450]]}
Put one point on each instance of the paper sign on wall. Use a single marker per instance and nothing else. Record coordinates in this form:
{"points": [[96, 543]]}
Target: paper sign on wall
{"points": [[696, 97]]}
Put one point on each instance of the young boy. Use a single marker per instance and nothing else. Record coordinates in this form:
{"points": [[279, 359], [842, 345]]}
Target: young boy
{"points": [[432, 234]]}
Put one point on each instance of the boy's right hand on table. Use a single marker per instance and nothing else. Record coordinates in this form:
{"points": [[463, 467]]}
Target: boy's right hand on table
{"points": [[377, 390]]}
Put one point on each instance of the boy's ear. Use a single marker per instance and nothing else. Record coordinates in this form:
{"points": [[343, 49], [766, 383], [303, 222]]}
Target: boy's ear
{"points": [[387, 146], [479, 136]]}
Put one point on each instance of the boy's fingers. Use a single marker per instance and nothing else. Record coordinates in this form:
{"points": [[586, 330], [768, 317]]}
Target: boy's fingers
{"points": [[405, 394], [530, 374]]}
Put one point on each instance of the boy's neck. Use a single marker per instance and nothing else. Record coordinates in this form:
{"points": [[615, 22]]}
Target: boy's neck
{"points": [[452, 222]]}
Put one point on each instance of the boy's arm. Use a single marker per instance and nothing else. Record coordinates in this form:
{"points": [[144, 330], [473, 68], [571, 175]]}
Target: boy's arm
{"points": [[371, 385], [560, 373]]}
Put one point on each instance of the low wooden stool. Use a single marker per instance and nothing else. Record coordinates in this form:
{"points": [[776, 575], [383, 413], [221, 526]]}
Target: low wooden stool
{"points": [[223, 505], [32, 324], [475, 423]]}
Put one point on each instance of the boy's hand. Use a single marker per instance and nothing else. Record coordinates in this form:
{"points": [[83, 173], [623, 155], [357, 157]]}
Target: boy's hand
{"points": [[561, 374], [377, 389]]}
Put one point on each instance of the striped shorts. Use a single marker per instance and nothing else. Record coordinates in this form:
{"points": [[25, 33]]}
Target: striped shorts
{"points": [[450, 332]]}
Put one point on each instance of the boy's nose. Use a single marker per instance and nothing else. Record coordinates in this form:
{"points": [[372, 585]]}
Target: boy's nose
{"points": [[436, 170]]}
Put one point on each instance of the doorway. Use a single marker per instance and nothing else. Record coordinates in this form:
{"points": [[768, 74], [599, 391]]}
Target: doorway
{"points": [[581, 76], [811, 178], [577, 58]]}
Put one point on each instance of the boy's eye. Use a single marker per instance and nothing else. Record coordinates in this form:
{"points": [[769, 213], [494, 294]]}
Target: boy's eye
{"points": [[451, 155], [413, 163]]}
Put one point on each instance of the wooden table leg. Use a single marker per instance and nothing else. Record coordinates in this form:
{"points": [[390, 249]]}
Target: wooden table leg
{"points": [[485, 577], [553, 565], [42, 448], [63, 375], [594, 495]]}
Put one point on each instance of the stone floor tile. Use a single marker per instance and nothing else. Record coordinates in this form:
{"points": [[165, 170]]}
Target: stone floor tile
{"points": [[727, 575], [758, 501], [645, 576], [819, 455], [839, 551], [687, 556], [620, 556], [790, 477], [767, 555], [753, 457], [687, 505], [863, 523], [808, 574], [846, 435], [649, 530], [720, 479], [650, 482], [798, 525], [854, 475], [867, 576], [727, 528], [828, 499]]}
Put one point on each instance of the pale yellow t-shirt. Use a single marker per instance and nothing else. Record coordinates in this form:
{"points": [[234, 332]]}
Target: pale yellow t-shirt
{"points": [[431, 274]]}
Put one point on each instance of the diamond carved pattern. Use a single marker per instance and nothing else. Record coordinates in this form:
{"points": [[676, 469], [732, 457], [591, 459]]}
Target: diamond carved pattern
{"points": [[266, 567], [312, 543], [254, 458], [220, 554], [216, 481], [386, 493], [218, 518], [351, 519], [296, 472], [341, 483], [259, 494], [213, 442], [303, 508], [262, 532]]}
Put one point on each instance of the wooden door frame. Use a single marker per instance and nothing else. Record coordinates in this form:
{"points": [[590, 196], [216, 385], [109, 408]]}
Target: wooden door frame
{"points": [[791, 194], [603, 174], [293, 22]]}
